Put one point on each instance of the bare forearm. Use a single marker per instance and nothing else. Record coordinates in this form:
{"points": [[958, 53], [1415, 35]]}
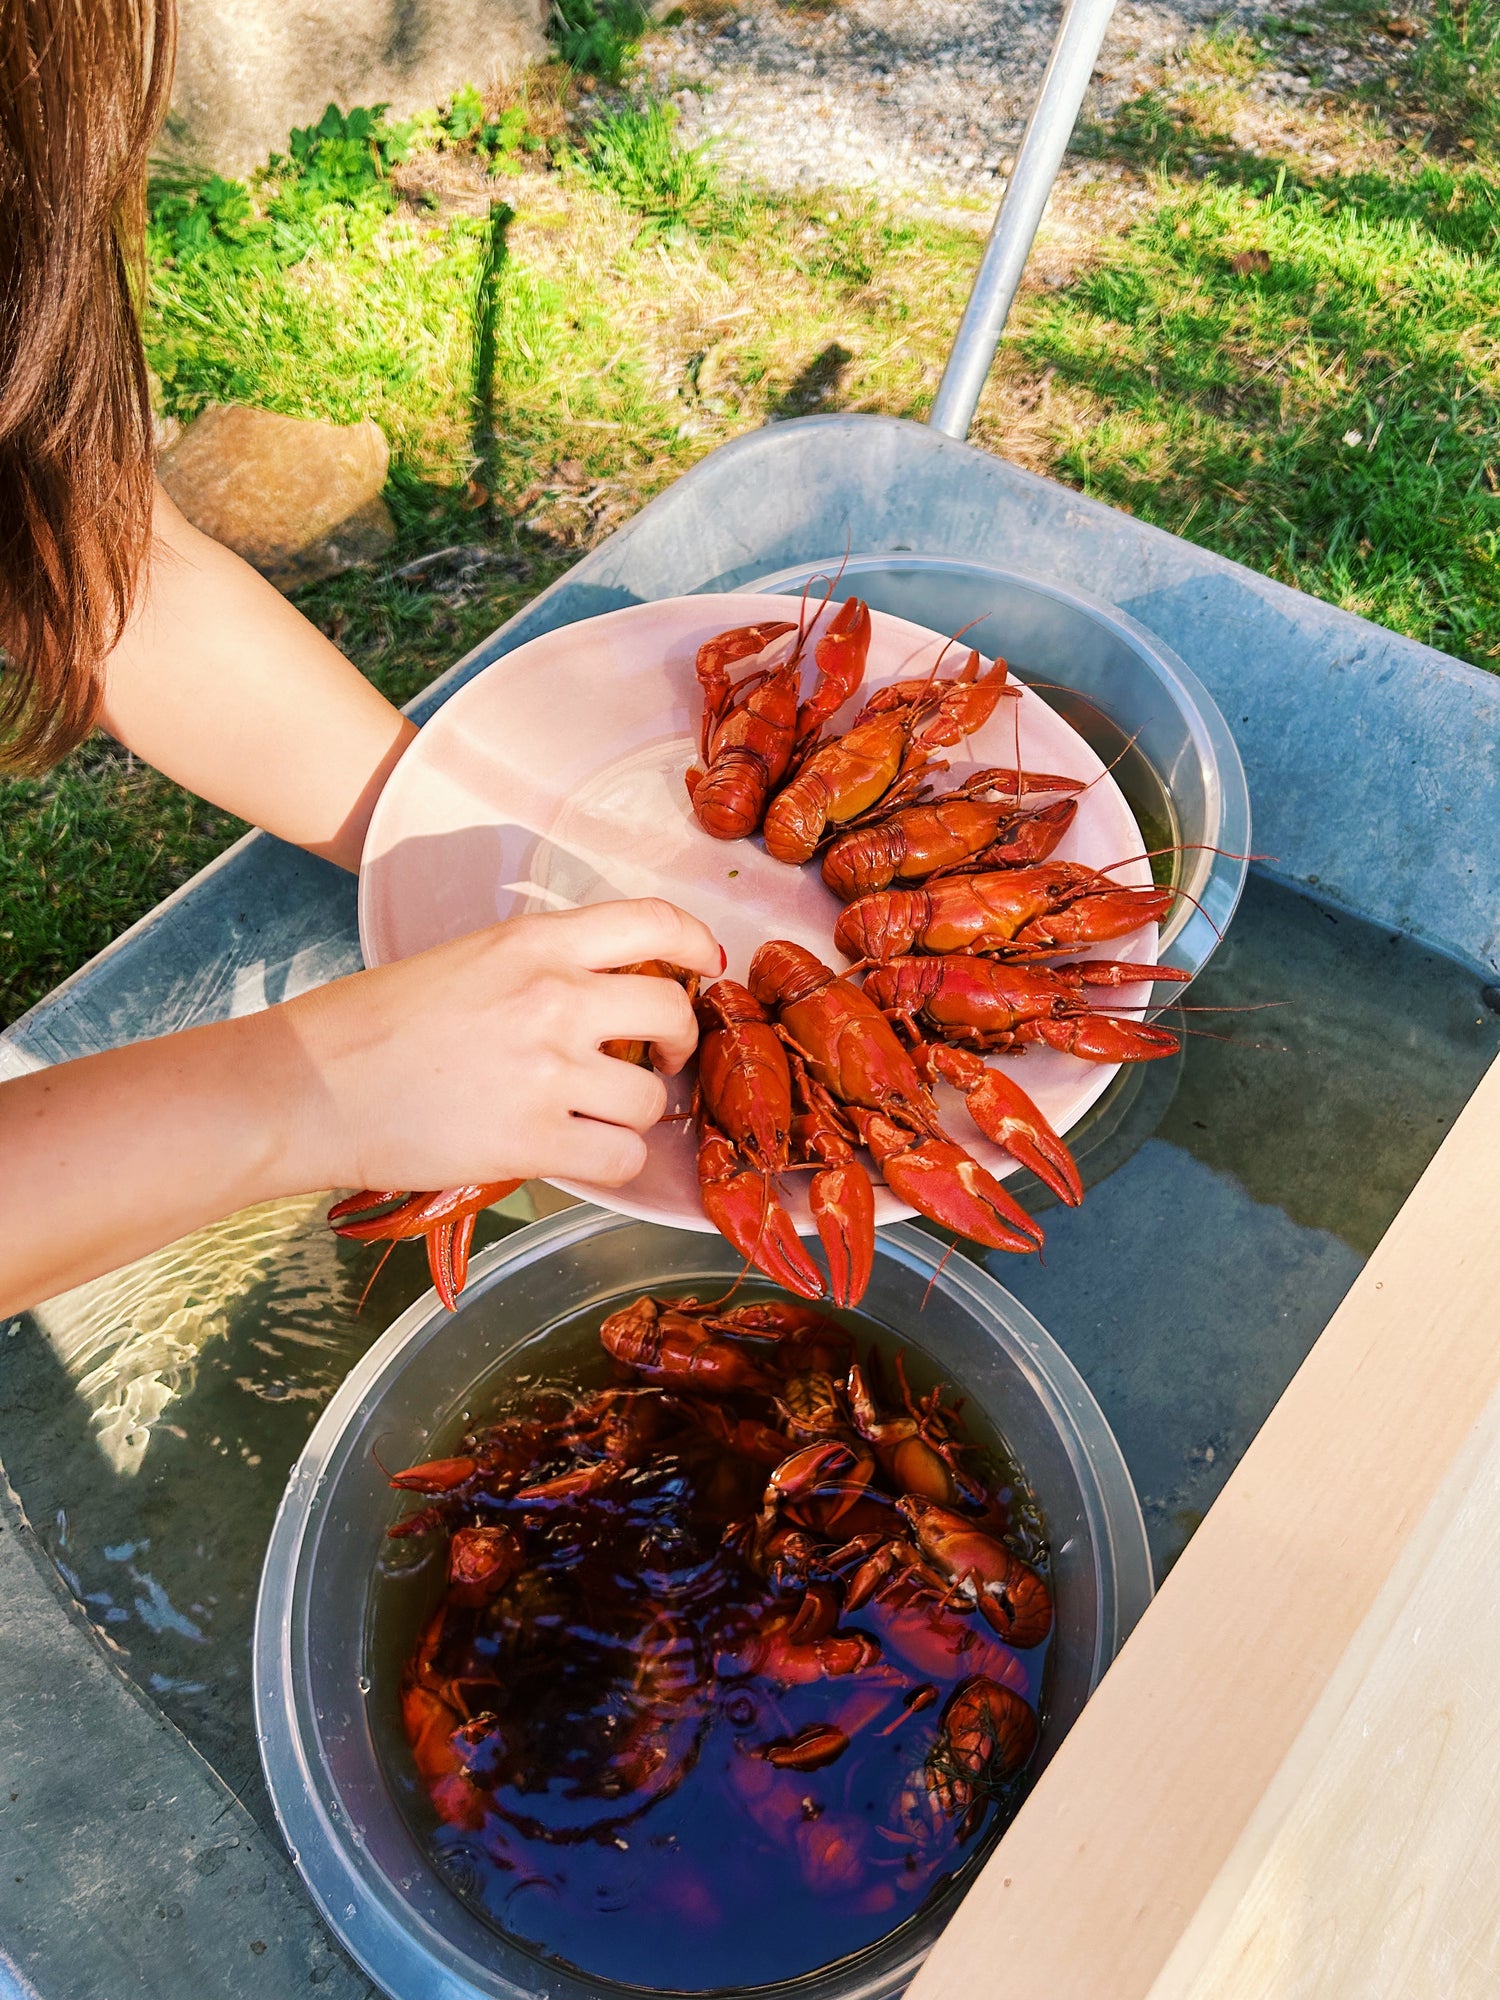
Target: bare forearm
{"points": [[227, 688], [104, 1159], [480, 1060]]}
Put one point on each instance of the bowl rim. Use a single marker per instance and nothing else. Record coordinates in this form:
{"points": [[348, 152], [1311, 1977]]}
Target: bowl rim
{"points": [[1188, 938], [390, 1940]]}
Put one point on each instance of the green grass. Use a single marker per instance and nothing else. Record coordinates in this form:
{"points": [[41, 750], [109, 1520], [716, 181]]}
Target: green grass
{"points": [[82, 854], [1332, 420], [598, 37], [634, 152], [541, 373], [1456, 73]]}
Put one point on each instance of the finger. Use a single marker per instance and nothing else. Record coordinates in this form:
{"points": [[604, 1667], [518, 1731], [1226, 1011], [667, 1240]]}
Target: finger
{"points": [[597, 1151], [621, 1093], [603, 935], [626, 1007]]}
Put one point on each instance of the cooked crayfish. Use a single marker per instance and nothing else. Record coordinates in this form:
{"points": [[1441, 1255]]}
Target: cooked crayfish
{"points": [[839, 1193], [980, 1003], [987, 1732], [917, 1450], [445, 1218], [639, 1052], [881, 761], [666, 1590], [684, 1345], [1051, 907], [743, 1108], [852, 1051], [678, 1344], [960, 829], [1009, 1593], [752, 728]]}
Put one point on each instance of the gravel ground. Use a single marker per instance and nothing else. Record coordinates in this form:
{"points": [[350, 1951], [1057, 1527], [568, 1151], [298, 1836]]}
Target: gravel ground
{"points": [[919, 96]]}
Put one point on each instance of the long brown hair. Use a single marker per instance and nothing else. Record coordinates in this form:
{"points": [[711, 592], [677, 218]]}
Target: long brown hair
{"points": [[83, 86]]}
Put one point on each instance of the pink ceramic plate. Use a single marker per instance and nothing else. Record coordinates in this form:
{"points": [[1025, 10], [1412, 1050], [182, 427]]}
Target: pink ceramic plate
{"points": [[556, 777]]}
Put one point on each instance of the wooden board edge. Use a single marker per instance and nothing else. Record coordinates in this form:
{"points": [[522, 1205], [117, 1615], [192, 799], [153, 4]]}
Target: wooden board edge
{"points": [[1131, 1825]]}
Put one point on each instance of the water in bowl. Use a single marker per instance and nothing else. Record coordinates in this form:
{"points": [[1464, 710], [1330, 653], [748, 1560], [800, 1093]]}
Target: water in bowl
{"points": [[624, 1824]]}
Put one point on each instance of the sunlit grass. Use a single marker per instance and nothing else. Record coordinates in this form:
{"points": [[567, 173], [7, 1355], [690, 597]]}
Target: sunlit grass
{"points": [[1331, 420], [1327, 411]]}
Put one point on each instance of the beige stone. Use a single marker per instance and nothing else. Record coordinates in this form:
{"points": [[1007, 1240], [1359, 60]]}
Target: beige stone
{"points": [[249, 70], [297, 498]]}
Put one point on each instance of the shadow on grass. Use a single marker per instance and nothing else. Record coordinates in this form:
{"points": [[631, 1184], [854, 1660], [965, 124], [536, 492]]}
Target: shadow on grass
{"points": [[485, 437], [816, 386]]}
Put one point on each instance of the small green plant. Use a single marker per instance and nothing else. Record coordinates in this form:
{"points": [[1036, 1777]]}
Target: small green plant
{"points": [[598, 37], [495, 141], [196, 216], [335, 175], [636, 153], [347, 155]]}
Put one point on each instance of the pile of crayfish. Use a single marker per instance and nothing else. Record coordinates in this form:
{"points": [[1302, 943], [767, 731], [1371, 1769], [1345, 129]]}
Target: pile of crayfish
{"points": [[738, 1634], [959, 923], [953, 905]]}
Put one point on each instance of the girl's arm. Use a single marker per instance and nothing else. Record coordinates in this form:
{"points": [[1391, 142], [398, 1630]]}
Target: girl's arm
{"points": [[220, 683], [477, 1061]]}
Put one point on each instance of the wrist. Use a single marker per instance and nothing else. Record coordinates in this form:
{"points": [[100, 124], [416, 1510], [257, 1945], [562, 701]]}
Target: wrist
{"points": [[292, 1131]]}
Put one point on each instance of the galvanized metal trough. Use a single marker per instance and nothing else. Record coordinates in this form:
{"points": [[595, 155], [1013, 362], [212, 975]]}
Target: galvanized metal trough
{"points": [[133, 1862]]}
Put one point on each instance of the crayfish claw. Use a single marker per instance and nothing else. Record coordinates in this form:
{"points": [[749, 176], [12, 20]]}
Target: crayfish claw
{"points": [[843, 1206], [742, 1205], [1007, 1116], [1106, 1038], [444, 1216], [946, 1184]]}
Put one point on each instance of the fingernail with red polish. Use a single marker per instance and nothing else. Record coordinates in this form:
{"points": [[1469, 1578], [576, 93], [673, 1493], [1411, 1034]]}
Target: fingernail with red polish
{"points": [[723, 959]]}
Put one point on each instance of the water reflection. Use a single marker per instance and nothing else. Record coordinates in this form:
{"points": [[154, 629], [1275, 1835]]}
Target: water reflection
{"points": [[1208, 1258], [130, 1341], [1188, 1307]]}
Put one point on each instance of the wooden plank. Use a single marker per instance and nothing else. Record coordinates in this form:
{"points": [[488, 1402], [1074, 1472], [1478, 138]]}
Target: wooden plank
{"points": [[1139, 1815], [1370, 1865]]}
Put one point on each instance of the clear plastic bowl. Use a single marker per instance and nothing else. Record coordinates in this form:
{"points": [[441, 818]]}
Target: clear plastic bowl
{"points": [[1128, 695], [324, 1665]]}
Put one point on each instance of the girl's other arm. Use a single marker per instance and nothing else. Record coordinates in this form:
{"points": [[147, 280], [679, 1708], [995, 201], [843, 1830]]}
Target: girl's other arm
{"points": [[222, 684]]}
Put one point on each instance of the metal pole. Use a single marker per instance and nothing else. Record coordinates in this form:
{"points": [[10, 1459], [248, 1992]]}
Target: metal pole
{"points": [[1048, 131]]}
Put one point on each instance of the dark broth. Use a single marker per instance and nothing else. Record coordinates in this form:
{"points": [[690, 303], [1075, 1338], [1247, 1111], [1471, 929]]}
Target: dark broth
{"points": [[634, 1836]]}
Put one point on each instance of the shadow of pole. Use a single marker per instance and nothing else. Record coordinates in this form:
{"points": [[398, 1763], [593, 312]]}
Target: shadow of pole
{"points": [[485, 436]]}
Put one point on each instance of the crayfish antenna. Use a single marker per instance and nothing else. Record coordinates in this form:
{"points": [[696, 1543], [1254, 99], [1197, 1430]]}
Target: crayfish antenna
{"points": [[383, 1260]]}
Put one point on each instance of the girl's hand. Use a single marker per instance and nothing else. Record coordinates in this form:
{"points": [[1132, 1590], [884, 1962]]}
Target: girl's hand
{"points": [[480, 1060]]}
